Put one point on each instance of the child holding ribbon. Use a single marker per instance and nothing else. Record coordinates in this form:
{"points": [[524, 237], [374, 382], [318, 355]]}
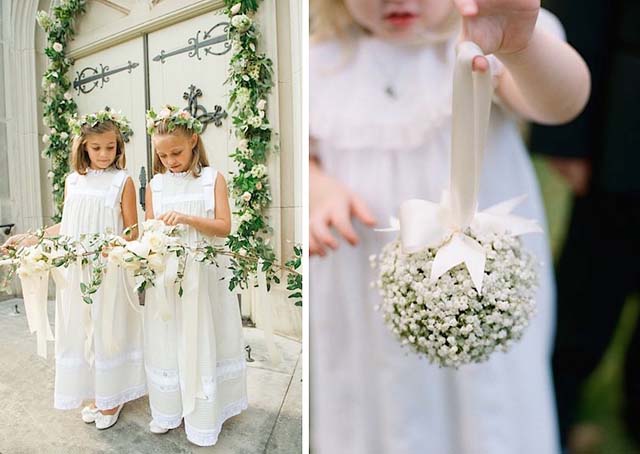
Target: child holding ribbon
{"points": [[380, 125], [193, 338], [99, 197]]}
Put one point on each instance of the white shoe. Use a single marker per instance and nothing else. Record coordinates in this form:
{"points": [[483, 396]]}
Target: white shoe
{"points": [[155, 428], [89, 414], [106, 421]]}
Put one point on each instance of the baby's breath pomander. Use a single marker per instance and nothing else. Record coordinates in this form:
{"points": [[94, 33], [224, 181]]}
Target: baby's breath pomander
{"points": [[447, 320], [93, 119], [173, 116]]}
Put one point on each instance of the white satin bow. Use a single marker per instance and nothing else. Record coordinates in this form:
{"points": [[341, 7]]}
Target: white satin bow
{"points": [[425, 224]]}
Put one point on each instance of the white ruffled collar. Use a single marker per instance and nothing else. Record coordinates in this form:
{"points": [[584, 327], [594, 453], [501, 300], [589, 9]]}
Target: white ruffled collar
{"points": [[351, 110]]}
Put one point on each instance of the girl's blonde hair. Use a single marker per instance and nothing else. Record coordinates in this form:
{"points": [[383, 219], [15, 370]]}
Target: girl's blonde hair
{"points": [[80, 160], [198, 158]]}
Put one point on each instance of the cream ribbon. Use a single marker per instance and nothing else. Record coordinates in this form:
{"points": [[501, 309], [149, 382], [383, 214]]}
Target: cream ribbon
{"points": [[34, 291], [191, 386], [425, 224]]}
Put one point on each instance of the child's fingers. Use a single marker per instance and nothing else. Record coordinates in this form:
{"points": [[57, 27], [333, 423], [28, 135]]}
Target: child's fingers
{"points": [[314, 246], [466, 7], [361, 211], [342, 223], [321, 231], [480, 64]]}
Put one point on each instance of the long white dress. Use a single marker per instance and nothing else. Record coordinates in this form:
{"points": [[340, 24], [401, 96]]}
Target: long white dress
{"points": [[368, 395], [202, 338], [85, 369]]}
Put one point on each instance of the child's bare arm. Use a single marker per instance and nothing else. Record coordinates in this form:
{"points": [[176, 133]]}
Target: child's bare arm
{"points": [[545, 80], [129, 211]]}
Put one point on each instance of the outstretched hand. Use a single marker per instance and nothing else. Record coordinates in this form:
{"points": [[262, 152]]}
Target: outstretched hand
{"points": [[333, 205], [497, 26]]}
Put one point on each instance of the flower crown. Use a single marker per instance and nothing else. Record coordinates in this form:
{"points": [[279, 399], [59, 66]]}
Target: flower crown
{"points": [[93, 119], [173, 116]]}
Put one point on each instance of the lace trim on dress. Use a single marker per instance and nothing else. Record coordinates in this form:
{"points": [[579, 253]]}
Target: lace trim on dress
{"points": [[165, 421], [106, 403], [229, 369], [62, 402], [178, 174], [91, 171], [134, 356], [210, 437]]}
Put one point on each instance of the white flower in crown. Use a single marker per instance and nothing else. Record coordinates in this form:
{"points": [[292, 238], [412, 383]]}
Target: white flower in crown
{"points": [[261, 104], [259, 185], [45, 138], [246, 196], [64, 135], [57, 47], [173, 117]]}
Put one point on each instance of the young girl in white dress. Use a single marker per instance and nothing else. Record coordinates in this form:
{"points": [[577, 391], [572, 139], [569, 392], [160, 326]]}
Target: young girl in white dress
{"points": [[380, 127], [194, 359], [99, 198]]}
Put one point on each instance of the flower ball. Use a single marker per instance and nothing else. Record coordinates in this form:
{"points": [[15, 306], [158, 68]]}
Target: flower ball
{"points": [[448, 320]]}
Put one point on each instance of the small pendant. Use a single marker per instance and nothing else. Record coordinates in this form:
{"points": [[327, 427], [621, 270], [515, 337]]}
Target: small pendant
{"points": [[390, 91]]}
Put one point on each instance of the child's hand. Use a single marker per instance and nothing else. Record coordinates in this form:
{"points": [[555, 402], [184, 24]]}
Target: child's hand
{"points": [[174, 218], [497, 26], [333, 205], [15, 241]]}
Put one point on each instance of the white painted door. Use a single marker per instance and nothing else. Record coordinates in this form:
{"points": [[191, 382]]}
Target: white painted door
{"points": [[115, 78]]}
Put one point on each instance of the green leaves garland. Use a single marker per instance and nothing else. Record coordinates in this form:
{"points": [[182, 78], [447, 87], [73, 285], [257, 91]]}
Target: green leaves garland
{"points": [[251, 80], [57, 99]]}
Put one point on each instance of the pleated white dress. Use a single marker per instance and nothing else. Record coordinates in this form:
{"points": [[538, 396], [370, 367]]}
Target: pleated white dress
{"points": [[194, 360], [85, 369], [368, 395]]}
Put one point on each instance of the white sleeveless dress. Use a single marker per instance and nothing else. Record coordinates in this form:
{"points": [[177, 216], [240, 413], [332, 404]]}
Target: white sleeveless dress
{"points": [[368, 395], [206, 318], [85, 369]]}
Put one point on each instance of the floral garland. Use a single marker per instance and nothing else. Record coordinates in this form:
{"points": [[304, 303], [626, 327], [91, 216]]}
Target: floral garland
{"points": [[145, 258], [58, 103], [251, 80]]}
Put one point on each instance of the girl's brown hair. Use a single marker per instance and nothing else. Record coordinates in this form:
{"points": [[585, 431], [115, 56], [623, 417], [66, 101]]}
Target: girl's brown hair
{"points": [[198, 158], [80, 161]]}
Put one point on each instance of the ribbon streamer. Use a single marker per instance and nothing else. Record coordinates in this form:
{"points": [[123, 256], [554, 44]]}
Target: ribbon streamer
{"points": [[424, 224]]}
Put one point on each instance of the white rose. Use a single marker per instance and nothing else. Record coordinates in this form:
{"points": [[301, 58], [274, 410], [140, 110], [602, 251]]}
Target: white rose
{"points": [[241, 23], [164, 113], [261, 104], [153, 225], [259, 185], [117, 255], [156, 262], [45, 138], [235, 9], [139, 248], [129, 261], [246, 196], [155, 240], [64, 135], [57, 47]]}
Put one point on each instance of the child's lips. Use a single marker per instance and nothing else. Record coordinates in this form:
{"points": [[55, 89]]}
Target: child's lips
{"points": [[401, 19]]}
